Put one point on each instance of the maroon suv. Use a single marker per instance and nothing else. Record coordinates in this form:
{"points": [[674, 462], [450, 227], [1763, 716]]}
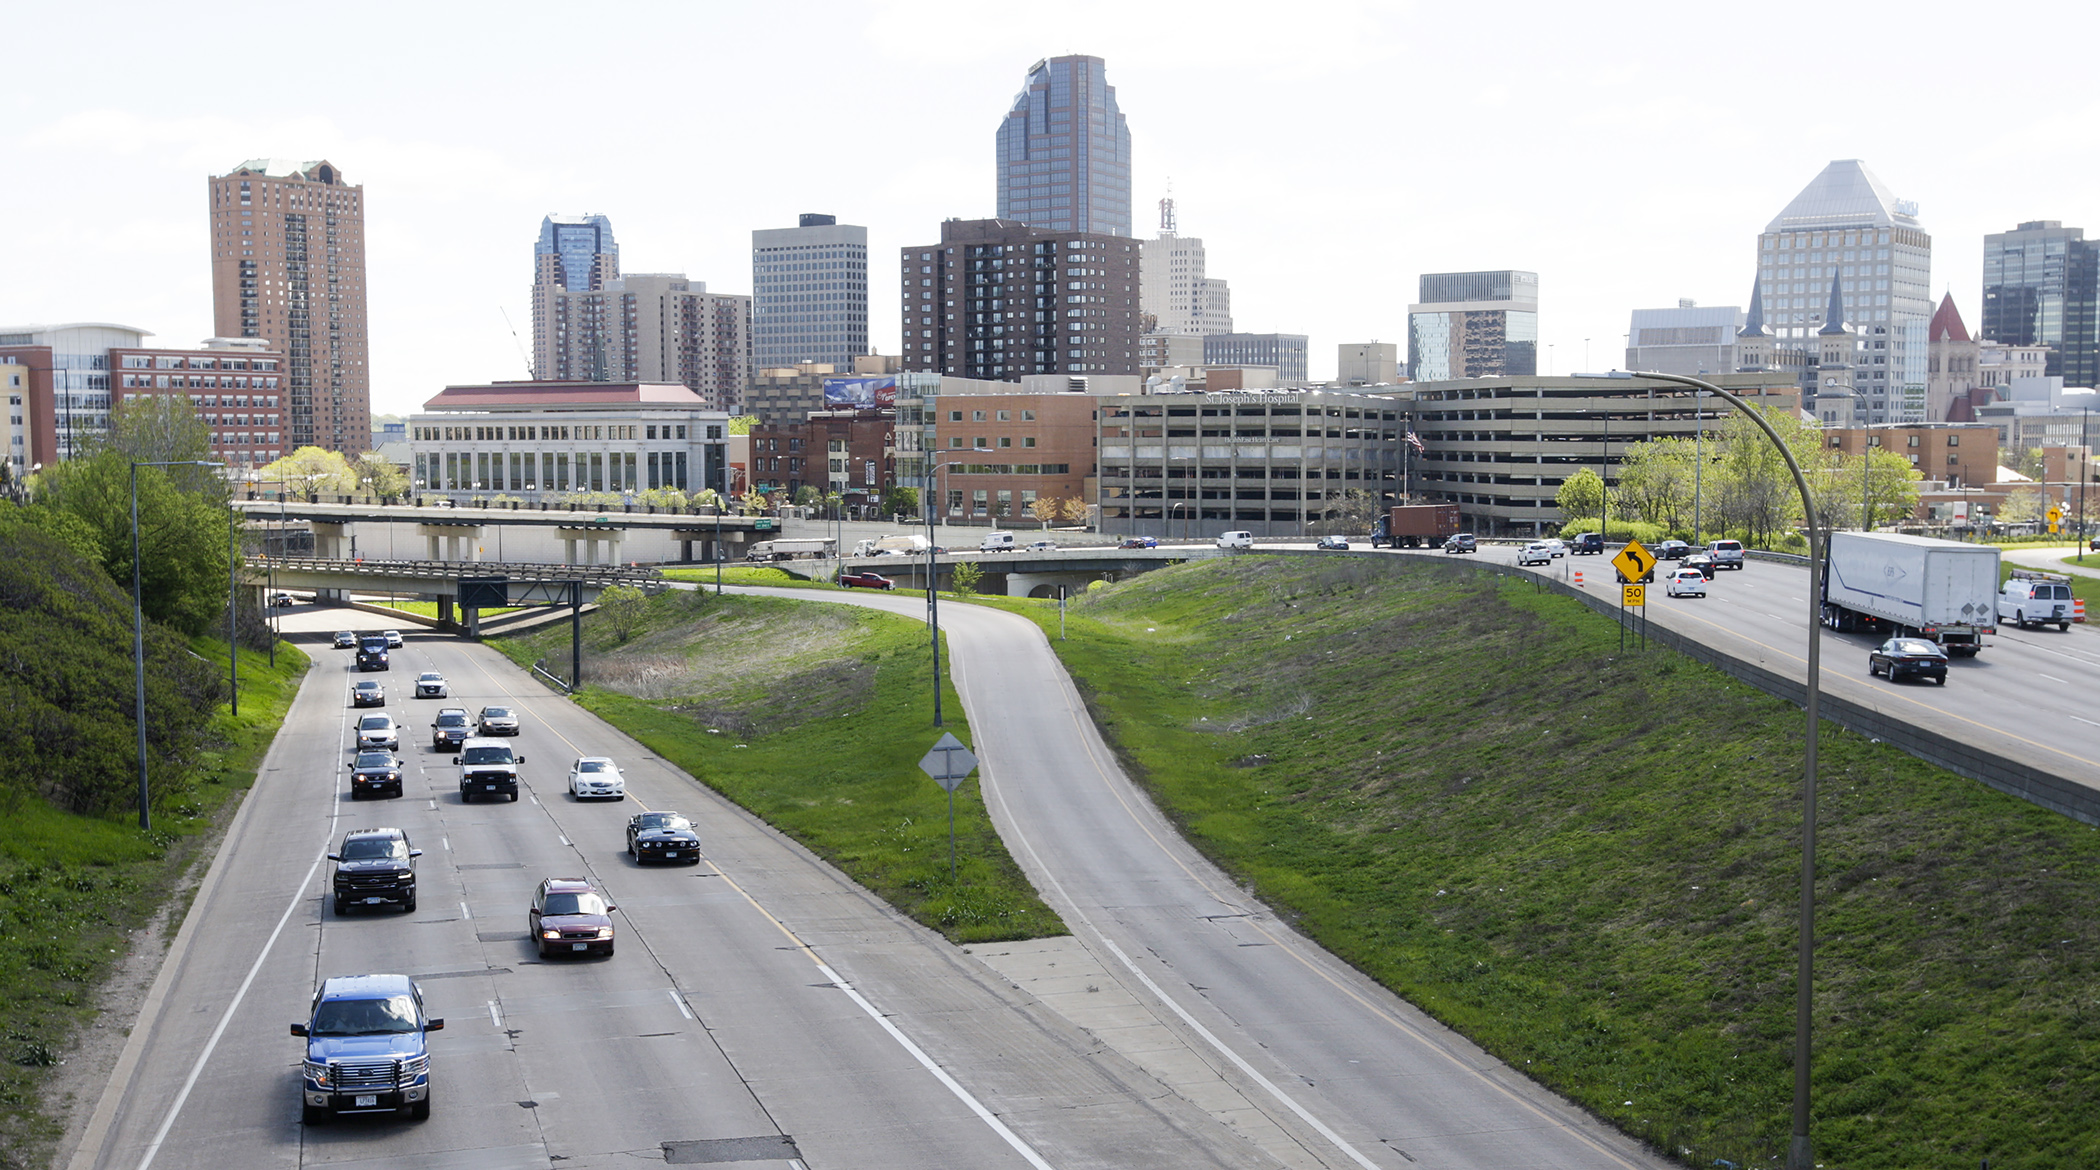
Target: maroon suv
{"points": [[569, 917]]}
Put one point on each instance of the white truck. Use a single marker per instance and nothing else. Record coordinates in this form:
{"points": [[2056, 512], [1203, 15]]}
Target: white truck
{"points": [[895, 545], [1943, 590], [788, 550]]}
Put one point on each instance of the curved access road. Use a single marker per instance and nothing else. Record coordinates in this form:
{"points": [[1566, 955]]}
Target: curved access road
{"points": [[1178, 968]]}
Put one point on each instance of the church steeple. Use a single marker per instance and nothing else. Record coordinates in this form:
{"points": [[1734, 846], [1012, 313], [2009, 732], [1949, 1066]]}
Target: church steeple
{"points": [[1753, 342], [1755, 325], [1834, 315]]}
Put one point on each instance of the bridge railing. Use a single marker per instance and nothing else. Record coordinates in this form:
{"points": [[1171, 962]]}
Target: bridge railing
{"points": [[617, 574]]}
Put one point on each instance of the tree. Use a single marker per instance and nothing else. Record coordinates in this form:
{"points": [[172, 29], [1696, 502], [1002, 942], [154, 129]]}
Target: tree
{"points": [[964, 578], [623, 606], [806, 496], [1891, 491], [378, 475], [1656, 483], [2024, 505], [1076, 510], [1046, 509], [1755, 493], [310, 471], [182, 534], [900, 501], [1358, 510], [164, 428], [753, 502], [1581, 494], [2027, 462], [707, 498], [742, 424]]}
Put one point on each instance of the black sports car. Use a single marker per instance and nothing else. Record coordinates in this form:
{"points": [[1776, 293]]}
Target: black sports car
{"points": [[662, 836]]}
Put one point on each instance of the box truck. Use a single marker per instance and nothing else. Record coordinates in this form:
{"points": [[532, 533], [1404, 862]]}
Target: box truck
{"points": [[1938, 589], [1415, 525]]}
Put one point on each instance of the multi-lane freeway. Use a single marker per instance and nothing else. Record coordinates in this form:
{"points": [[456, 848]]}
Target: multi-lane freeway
{"points": [[764, 1010]]}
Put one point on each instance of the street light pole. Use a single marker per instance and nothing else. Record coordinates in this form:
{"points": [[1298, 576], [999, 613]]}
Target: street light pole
{"points": [[933, 593], [1799, 1156], [138, 626], [2085, 472], [1698, 463]]}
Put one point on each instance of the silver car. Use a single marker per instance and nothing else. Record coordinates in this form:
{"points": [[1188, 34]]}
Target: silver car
{"points": [[497, 721], [431, 685], [377, 732]]}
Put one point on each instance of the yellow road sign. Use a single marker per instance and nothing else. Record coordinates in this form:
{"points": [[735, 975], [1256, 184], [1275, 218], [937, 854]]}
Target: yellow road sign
{"points": [[1634, 562], [1631, 595]]}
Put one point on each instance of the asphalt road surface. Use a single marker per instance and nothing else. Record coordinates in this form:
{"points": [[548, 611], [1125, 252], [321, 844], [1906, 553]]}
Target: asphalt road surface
{"points": [[760, 1007]]}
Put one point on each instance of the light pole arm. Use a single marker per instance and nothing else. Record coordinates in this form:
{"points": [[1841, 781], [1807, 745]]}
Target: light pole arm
{"points": [[1799, 1155]]}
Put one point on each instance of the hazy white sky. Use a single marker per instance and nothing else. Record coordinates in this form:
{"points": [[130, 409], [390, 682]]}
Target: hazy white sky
{"points": [[1327, 151]]}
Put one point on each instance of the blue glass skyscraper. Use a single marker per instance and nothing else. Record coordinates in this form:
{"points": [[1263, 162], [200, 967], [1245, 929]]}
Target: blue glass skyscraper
{"points": [[1064, 151], [576, 252]]}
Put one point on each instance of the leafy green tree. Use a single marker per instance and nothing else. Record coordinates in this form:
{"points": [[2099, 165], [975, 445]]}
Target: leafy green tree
{"points": [[182, 535], [2027, 462], [377, 475], [742, 424], [965, 578], [2025, 505], [623, 606], [1581, 494], [900, 501], [1656, 483], [753, 502], [310, 471], [1891, 490], [1755, 494], [807, 496], [165, 428], [707, 498]]}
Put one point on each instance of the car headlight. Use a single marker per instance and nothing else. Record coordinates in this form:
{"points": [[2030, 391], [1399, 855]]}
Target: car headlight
{"points": [[605, 932], [317, 1072], [550, 934]]}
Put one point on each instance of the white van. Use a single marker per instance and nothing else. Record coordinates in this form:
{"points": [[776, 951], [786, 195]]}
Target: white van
{"points": [[997, 542], [1235, 540]]}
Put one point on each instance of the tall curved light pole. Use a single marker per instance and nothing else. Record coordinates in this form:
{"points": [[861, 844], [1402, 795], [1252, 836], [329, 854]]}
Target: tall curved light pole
{"points": [[933, 592], [1799, 1156], [138, 623]]}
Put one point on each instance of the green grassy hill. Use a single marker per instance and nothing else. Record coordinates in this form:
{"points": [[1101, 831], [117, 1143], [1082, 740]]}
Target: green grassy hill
{"points": [[1588, 862]]}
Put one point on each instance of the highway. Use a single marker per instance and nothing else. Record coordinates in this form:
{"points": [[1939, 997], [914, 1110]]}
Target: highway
{"points": [[760, 1007]]}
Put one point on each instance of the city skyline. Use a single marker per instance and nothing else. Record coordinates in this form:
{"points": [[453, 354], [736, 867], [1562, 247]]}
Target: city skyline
{"points": [[1606, 183]]}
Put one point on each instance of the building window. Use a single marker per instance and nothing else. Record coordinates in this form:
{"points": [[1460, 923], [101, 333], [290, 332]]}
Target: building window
{"points": [[1954, 440]]}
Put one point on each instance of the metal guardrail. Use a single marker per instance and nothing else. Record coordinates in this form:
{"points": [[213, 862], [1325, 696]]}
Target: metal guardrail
{"points": [[556, 681], [453, 570]]}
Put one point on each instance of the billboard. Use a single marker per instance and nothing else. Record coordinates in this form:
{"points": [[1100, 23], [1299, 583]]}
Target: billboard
{"points": [[854, 393]]}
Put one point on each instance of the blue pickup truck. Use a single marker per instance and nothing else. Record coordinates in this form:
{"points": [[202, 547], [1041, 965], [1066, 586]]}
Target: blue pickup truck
{"points": [[365, 1050]]}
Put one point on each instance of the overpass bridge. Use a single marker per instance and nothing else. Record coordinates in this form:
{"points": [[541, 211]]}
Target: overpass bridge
{"points": [[471, 586], [583, 535], [1033, 574]]}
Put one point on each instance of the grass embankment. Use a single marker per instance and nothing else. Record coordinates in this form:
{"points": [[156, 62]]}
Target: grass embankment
{"points": [[742, 574], [814, 717], [73, 889], [429, 609], [1589, 863]]}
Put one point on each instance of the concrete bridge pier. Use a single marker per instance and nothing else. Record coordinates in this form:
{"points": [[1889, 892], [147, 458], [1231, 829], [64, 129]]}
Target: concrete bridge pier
{"points": [[450, 542], [601, 546]]}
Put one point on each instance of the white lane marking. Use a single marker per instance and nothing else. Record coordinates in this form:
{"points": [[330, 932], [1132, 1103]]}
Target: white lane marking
{"points": [[1238, 1062], [535, 799], [926, 1062], [564, 840], [2087, 722], [495, 1015], [197, 1068], [2051, 678], [448, 843], [464, 912], [682, 1009]]}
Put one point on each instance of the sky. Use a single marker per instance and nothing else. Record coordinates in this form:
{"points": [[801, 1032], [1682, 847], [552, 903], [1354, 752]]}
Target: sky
{"points": [[1328, 152]]}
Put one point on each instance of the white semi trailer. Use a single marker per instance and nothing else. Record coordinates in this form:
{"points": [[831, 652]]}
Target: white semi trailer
{"points": [[1938, 589]]}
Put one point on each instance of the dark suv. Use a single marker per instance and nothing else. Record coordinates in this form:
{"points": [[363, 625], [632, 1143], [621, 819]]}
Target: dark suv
{"points": [[366, 1048], [450, 729], [1586, 543], [371, 652], [375, 867]]}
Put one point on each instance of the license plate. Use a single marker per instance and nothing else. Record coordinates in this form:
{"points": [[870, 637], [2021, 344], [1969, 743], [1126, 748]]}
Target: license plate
{"points": [[670, 853], [579, 946], [489, 787], [367, 1101], [374, 901]]}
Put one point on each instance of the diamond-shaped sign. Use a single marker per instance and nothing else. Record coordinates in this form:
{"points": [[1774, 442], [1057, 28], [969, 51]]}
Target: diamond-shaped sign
{"points": [[949, 763], [1634, 562]]}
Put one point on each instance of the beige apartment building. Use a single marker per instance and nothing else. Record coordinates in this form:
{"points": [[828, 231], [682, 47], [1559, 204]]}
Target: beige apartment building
{"points": [[288, 266]]}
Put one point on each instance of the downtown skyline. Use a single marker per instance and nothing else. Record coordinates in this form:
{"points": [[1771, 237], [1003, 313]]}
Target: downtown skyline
{"points": [[1369, 180]]}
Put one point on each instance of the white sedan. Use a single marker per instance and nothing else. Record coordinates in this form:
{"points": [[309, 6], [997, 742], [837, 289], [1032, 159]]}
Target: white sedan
{"points": [[596, 778], [432, 685], [1537, 552], [1685, 583]]}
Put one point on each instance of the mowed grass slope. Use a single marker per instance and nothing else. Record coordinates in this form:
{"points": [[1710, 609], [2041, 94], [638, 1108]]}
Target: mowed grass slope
{"points": [[814, 717], [1589, 862]]}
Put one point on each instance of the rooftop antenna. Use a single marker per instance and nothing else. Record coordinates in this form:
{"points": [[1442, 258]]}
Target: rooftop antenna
{"points": [[519, 341], [1166, 211]]}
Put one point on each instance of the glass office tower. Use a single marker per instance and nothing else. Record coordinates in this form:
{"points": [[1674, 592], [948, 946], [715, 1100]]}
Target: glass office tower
{"points": [[2039, 288], [1064, 151]]}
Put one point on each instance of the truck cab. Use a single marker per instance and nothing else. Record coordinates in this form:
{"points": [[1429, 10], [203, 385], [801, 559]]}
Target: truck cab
{"points": [[372, 652], [366, 1048]]}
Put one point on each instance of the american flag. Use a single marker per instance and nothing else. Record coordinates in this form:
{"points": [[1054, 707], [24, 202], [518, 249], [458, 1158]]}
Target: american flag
{"points": [[1414, 440]]}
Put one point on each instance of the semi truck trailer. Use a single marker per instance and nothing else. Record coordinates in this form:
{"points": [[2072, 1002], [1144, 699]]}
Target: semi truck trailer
{"points": [[1938, 589], [1415, 526]]}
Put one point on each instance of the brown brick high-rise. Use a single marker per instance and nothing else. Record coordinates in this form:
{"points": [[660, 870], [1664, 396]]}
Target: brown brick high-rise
{"points": [[288, 265]]}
